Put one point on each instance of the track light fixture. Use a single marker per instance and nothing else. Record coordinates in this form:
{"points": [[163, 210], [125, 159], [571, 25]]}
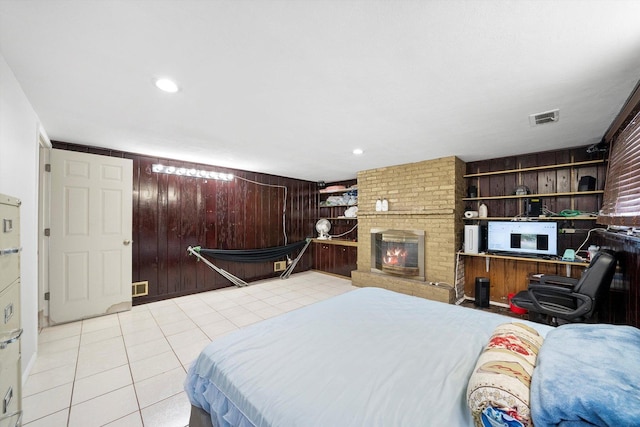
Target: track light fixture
{"points": [[193, 173]]}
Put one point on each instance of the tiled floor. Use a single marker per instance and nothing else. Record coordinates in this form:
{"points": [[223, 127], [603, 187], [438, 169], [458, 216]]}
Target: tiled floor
{"points": [[128, 369]]}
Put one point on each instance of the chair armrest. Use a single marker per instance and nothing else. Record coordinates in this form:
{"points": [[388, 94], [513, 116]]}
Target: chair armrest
{"points": [[581, 310], [562, 280], [557, 289]]}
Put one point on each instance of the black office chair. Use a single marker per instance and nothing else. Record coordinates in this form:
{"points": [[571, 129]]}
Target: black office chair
{"points": [[560, 299]]}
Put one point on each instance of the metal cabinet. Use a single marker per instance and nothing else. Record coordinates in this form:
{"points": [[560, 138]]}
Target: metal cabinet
{"points": [[10, 328]]}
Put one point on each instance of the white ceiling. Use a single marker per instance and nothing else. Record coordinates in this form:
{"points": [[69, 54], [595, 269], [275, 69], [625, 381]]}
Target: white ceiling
{"points": [[292, 87]]}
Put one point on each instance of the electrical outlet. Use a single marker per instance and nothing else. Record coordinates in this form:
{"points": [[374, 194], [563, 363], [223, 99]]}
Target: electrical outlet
{"points": [[280, 266]]}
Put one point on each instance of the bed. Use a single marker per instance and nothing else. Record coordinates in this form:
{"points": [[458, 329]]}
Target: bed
{"points": [[373, 357]]}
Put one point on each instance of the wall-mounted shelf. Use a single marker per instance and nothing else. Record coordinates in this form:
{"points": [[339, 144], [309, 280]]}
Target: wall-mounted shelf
{"points": [[340, 218], [516, 258], [527, 196], [338, 242], [337, 206], [541, 218], [339, 190], [536, 168]]}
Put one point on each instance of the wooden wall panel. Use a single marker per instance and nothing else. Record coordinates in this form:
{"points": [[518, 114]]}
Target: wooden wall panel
{"points": [[508, 275], [623, 305], [172, 212], [541, 182]]}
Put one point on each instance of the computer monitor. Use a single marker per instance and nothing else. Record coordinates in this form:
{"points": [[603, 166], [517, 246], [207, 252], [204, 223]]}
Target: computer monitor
{"points": [[523, 237]]}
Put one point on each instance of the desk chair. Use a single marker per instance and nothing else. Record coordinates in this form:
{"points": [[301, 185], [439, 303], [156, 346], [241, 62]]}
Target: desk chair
{"points": [[569, 300]]}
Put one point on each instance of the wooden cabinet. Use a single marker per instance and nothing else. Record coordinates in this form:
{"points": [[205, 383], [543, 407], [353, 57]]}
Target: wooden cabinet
{"points": [[335, 257], [511, 274], [10, 330]]}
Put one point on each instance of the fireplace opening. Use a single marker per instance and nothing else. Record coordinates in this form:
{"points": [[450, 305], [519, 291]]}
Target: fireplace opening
{"points": [[398, 252]]}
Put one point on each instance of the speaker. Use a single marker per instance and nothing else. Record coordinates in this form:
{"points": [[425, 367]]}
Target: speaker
{"points": [[587, 183], [471, 239], [484, 238], [532, 207], [482, 292]]}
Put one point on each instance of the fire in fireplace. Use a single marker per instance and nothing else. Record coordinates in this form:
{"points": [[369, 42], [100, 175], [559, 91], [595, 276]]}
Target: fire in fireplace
{"points": [[398, 252]]}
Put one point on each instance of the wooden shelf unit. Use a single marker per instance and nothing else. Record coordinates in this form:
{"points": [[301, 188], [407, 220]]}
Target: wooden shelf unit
{"points": [[536, 168], [338, 255], [529, 196], [551, 176]]}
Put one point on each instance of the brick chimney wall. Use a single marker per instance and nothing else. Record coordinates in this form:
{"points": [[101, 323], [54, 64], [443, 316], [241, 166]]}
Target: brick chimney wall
{"points": [[425, 196]]}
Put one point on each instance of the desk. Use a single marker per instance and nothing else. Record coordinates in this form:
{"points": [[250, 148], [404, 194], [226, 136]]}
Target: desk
{"points": [[510, 274]]}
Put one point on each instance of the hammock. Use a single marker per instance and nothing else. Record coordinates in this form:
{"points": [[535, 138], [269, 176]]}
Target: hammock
{"points": [[250, 255]]}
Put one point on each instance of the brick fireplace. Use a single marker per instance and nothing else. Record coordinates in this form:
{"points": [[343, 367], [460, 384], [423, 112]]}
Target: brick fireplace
{"points": [[424, 196], [398, 252]]}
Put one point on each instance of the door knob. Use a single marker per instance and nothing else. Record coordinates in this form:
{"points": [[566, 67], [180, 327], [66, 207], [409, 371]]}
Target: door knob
{"points": [[127, 242]]}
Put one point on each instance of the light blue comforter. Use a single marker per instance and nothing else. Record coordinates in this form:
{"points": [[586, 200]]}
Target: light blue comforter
{"points": [[370, 357], [587, 375]]}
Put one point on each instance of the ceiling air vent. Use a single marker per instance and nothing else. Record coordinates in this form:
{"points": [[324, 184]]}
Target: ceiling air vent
{"points": [[546, 117]]}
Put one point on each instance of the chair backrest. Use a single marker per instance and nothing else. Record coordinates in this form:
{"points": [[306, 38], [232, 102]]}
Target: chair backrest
{"points": [[598, 276]]}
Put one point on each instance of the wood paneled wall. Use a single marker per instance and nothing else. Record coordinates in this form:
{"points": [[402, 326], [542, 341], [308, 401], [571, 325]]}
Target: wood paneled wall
{"points": [[173, 212], [623, 304], [542, 182]]}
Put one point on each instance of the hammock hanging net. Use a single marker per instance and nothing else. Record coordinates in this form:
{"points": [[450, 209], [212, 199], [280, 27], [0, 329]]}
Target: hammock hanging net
{"points": [[251, 255]]}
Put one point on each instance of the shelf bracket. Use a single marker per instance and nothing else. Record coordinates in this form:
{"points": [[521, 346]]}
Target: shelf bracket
{"points": [[568, 266], [487, 260]]}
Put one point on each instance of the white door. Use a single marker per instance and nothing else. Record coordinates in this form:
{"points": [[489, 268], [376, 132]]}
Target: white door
{"points": [[90, 246]]}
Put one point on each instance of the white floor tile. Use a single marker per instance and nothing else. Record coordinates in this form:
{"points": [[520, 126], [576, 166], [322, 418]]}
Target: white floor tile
{"points": [[171, 412], [102, 322], [185, 338], [100, 335], [57, 419], [154, 389], [105, 346], [268, 312], [133, 325], [95, 363], [131, 420], [223, 304], [166, 318], [62, 344], [205, 319], [233, 311], [187, 354], [152, 366], [148, 349], [48, 379], [177, 327], [54, 360], [143, 336], [54, 333], [289, 305], [245, 319], [102, 383], [216, 329], [45, 403], [104, 409], [275, 300]]}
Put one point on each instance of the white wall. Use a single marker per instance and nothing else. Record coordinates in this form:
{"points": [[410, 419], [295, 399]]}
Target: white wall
{"points": [[19, 129]]}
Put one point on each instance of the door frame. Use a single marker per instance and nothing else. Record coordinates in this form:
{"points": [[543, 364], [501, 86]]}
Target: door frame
{"points": [[44, 215]]}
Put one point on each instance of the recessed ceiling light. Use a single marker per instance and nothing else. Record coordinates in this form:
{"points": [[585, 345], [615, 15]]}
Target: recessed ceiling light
{"points": [[358, 151], [166, 85]]}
